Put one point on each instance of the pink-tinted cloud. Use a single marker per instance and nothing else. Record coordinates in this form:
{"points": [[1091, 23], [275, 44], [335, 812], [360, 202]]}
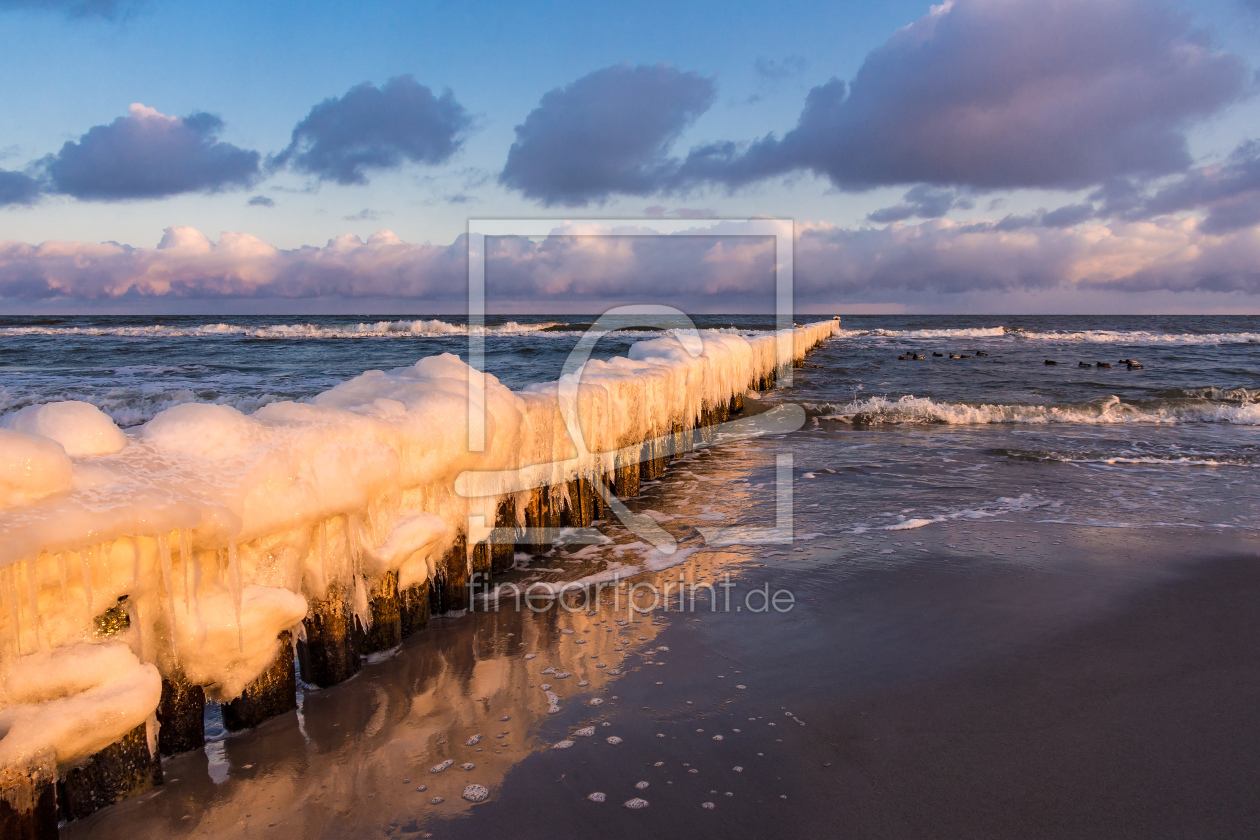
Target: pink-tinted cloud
{"points": [[939, 259]]}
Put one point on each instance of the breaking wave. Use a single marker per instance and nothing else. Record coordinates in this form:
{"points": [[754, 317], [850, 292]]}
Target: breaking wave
{"points": [[378, 329], [1126, 337], [1112, 410]]}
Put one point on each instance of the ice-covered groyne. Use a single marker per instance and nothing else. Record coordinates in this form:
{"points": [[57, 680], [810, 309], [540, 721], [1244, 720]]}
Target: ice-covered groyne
{"points": [[142, 573]]}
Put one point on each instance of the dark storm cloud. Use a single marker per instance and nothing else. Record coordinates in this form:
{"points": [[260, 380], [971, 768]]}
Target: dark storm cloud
{"points": [[17, 188], [261, 201], [607, 133], [993, 94], [923, 201], [372, 128], [147, 154]]}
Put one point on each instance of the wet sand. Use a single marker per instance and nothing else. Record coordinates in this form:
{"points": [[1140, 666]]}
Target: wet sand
{"points": [[1111, 693]]}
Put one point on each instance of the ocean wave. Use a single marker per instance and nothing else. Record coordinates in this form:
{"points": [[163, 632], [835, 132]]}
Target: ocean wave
{"points": [[1112, 410], [1126, 337], [378, 329]]}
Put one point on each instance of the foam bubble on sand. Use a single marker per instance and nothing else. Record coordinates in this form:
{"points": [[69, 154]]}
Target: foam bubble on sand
{"points": [[585, 732], [641, 785], [566, 631], [467, 766], [562, 745], [613, 739], [475, 793], [597, 797], [473, 741], [717, 738], [553, 703], [596, 701], [437, 800], [707, 805], [529, 656], [636, 803], [738, 769], [438, 768]]}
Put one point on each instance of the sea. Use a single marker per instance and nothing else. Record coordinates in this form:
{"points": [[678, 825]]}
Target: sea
{"points": [[929, 519], [981, 425]]}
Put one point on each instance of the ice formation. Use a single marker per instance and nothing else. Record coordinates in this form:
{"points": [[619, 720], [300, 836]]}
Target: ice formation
{"points": [[212, 530]]}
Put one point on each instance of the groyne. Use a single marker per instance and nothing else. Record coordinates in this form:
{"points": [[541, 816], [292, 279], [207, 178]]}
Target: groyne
{"points": [[145, 574]]}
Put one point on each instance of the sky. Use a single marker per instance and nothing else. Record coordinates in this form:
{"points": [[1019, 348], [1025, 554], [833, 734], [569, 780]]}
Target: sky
{"points": [[996, 156]]}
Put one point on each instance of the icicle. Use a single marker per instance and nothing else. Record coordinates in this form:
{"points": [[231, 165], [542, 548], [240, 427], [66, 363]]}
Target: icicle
{"points": [[32, 597], [106, 557], [85, 560], [164, 560], [323, 552], [15, 614], [234, 566], [61, 574], [185, 559]]}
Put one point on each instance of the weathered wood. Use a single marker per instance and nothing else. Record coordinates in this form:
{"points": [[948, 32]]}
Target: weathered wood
{"points": [[385, 631], [181, 713], [122, 770], [413, 608], [328, 656], [502, 548], [626, 480], [580, 510], [271, 694], [28, 802], [449, 589]]}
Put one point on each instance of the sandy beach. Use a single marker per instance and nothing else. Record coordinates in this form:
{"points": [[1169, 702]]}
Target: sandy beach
{"points": [[1112, 694]]}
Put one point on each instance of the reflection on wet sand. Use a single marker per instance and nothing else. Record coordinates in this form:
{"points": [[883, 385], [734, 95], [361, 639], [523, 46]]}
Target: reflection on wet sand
{"points": [[359, 757], [471, 696]]}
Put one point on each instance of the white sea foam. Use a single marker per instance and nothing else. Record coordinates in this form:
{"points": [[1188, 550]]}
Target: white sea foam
{"points": [[1125, 337], [912, 409]]}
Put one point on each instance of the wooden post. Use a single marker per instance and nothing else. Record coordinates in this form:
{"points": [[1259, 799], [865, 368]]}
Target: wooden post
{"points": [[503, 549], [626, 480], [413, 608], [181, 716], [328, 655], [272, 693], [541, 519], [581, 508], [449, 589], [124, 769], [386, 629], [28, 802]]}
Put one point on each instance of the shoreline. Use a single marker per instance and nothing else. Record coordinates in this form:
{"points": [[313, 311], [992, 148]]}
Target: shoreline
{"points": [[925, 701]]}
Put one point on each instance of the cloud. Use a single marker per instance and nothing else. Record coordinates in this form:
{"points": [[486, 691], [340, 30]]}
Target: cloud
{"points": [[576, 268], [17, 188], [108, 9], [776, 71], [608, 132], [1229, 191], [367, 214], [372, 128], [147, 154], [992, 94], [924, 201], [261, 201]]}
